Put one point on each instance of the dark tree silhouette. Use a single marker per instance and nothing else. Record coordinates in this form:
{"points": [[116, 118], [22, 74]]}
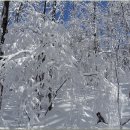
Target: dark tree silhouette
{"points": [[4, 20], [44, 12], [1, 94], [4, 24]]}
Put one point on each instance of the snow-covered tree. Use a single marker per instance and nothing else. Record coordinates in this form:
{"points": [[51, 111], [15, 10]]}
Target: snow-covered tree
{"points": [[66, 73]]}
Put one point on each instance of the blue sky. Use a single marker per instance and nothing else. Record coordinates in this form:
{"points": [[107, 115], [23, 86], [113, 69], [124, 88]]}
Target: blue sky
{"points": [[69, 7]]}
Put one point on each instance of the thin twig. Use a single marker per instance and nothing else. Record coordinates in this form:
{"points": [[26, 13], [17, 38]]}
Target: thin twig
{"points": [[60, 86], [125, 122], [55, 96], [27, 115]]}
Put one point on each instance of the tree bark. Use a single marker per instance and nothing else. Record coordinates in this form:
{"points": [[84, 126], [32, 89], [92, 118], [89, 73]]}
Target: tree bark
{"points": [[18, 12], [4, 19], [4, 24], [44, 12], [95, 31], [1, 94], [54, 11]]}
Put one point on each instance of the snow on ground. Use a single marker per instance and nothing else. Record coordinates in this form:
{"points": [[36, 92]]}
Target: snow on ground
{"points": [[76, 107], [125, 88]]}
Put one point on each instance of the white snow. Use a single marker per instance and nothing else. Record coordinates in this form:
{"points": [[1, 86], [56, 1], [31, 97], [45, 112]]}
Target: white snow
{"points": [[42, 58]]}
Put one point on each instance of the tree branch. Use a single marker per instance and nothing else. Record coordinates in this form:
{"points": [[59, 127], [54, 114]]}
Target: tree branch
{"points": [[60, 87], [48, 109], [125, 122], [1, 94]]}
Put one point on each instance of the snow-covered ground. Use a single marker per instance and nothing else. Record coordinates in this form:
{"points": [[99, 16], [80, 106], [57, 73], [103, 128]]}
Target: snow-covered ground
{"points": [[125, 105]]}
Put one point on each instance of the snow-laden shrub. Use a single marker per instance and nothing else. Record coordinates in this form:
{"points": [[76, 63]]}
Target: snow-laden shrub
{"points": [[37, 62]]}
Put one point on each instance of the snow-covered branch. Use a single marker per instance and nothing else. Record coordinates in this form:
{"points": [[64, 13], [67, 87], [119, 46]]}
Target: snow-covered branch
{"points": [[11, 56]]}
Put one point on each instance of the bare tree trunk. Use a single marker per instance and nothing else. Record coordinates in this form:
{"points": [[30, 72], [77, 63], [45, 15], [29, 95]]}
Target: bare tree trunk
{"points": [[95, 31], [4, 24], [116, 67], [44, 12], [127, 29], [54, 11], [4, 19], [118, 85], [4, 31], [18, 12], [1, 94]]}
